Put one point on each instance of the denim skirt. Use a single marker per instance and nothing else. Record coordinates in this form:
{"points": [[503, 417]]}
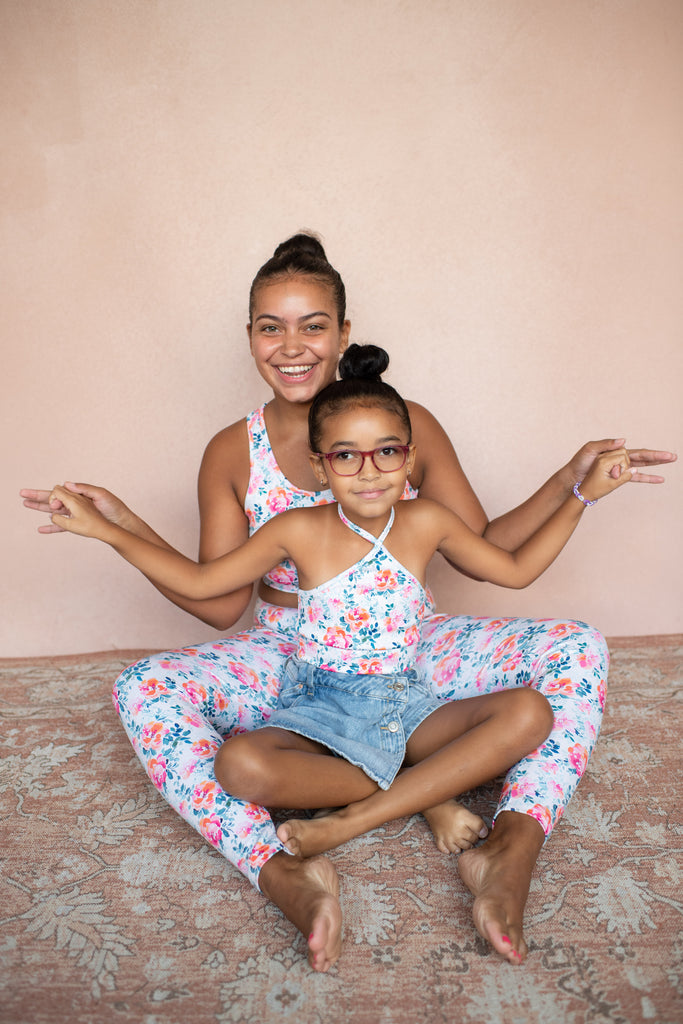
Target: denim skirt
{"points": [[366, 719]]}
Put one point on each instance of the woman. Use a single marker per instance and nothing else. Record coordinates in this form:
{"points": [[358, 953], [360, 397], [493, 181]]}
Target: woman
{"points": [[178, 707]]}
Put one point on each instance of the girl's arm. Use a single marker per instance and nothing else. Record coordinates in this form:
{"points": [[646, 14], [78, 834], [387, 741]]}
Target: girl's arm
{"points": [[169, 568], [516, 569], [438, 475]]}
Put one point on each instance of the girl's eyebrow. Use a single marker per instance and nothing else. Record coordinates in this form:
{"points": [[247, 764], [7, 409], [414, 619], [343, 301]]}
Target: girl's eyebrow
{"points": [[280, 320], [380, 442]]}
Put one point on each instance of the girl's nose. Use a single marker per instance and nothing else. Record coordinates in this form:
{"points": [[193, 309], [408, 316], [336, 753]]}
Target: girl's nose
{"points": [[368, 470]]}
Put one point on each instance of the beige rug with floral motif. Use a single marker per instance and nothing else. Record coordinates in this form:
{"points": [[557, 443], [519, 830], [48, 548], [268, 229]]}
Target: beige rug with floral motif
{"points": [[113, 910]]}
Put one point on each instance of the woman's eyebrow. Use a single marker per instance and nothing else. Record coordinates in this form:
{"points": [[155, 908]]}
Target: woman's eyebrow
{"points": [[280, 320]]}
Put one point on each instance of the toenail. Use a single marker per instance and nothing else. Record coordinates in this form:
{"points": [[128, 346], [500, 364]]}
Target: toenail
{"points": [[506, 939]]}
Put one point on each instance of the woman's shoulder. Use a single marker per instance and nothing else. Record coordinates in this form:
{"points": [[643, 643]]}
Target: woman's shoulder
{"points": [[226, 458]]}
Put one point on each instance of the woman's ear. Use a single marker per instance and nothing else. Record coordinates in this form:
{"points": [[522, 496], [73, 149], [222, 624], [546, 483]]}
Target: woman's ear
{"points": [[345, 332], [319, 468]]}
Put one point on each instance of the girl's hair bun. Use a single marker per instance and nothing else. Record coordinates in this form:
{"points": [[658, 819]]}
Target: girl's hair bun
{"points": [[363, 362], [303, 242]]}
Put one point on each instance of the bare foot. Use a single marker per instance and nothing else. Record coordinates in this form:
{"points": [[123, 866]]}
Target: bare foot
{"points": [[498, 875], [307, 892], [311, 836], [454, 827]]}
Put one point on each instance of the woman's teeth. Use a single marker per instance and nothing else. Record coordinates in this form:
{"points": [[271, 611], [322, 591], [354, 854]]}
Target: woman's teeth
{"points": [[295, 371]]}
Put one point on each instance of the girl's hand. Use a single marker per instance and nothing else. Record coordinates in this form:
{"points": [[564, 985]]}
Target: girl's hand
{"points": [[579, 466], [111, 507], [73, 512], [608, 471]]}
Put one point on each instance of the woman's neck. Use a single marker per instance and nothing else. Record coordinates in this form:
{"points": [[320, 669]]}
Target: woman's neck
{"points": [[287, 426]]}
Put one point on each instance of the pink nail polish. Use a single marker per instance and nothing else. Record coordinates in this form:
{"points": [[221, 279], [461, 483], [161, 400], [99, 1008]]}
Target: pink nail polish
{"points": [[506, 939]]}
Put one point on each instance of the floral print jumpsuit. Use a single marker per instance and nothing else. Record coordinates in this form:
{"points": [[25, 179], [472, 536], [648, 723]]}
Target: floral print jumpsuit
{"points": [[178, 707]]}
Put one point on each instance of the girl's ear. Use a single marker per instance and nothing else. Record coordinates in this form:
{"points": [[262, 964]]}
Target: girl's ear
{"points": [[410, 461], [319, 468]]}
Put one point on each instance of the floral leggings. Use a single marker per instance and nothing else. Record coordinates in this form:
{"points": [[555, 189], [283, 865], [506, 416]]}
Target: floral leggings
{"points": [[178, 707]]}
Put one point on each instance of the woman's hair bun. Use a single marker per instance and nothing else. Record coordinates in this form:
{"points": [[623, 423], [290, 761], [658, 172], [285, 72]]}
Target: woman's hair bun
{"points": [[365, 362], [301, 243]]}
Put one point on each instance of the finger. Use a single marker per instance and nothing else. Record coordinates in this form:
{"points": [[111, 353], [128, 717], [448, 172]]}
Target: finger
{"points": [[646, 478], [650, 457], [31, 494], [51, 528], [38, 506], [608, 444], [62, 522]]}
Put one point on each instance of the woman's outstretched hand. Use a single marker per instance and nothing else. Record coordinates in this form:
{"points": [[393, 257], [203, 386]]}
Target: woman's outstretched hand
{"points": [[640, 459], [106, 503]]}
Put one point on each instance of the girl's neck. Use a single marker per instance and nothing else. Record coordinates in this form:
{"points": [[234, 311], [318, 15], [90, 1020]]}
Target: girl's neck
{"points": [[374, 525]]}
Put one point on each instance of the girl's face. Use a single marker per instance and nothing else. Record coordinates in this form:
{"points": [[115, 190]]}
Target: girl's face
{"points": [[368, 496], [295, 337]]}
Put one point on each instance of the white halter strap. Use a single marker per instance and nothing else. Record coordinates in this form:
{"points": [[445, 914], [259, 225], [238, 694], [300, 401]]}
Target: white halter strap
{"points": [[375, 541]]}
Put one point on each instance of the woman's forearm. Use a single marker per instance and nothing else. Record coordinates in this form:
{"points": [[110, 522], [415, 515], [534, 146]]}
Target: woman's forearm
{"points": [[516, 526], [219, 612]]}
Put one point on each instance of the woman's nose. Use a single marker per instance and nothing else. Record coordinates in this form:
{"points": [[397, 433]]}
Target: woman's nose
{"points": [[292, 344]]}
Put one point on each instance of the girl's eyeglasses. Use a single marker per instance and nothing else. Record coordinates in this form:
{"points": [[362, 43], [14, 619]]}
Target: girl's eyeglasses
{"points": [[349, 461]]}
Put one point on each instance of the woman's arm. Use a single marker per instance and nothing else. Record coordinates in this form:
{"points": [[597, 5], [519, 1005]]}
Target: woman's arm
{"points": [[518, 568], [170, 569], [224, 524], [438, 475]]}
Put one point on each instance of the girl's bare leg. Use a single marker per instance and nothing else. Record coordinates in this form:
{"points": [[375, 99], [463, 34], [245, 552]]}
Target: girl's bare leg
{"points": [[276, 768], [458, 747]]}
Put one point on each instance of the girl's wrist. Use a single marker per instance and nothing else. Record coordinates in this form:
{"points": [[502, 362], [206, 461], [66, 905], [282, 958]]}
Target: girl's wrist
{"points": [[585, 499]]}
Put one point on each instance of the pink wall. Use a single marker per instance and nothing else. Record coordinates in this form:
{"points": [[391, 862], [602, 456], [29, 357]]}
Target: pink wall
{"points": [[500, 185]]}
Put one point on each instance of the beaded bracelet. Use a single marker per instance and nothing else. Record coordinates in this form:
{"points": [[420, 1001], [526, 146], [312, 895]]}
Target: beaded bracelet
{"points": [[581, 498]]}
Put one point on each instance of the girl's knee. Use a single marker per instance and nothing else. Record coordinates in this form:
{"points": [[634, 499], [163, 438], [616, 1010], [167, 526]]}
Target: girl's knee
{"points": [[534, 713], [242, 769]]}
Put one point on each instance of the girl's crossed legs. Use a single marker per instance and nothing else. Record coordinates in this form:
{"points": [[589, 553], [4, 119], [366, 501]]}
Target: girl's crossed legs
{"points": [[459, 746]]}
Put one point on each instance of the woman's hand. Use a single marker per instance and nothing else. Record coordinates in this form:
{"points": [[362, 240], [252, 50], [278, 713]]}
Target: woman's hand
{"points": [[106, 503], [640, 458]]}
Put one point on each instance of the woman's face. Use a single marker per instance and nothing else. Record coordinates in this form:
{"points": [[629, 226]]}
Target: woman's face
{"points": [[295, 337]]}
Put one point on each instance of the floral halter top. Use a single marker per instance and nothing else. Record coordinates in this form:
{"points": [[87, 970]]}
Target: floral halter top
{"points": [[367, 619]]}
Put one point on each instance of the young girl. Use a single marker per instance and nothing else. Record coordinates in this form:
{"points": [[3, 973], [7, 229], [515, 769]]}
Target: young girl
{"points": [[363, 426]]}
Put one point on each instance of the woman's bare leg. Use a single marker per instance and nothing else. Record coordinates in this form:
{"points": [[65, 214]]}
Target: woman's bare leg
{"points": [[307, 893], [498, 875]]}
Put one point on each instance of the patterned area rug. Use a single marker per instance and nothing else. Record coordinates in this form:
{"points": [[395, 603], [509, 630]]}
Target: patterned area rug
{"points": [[113, 910]]}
